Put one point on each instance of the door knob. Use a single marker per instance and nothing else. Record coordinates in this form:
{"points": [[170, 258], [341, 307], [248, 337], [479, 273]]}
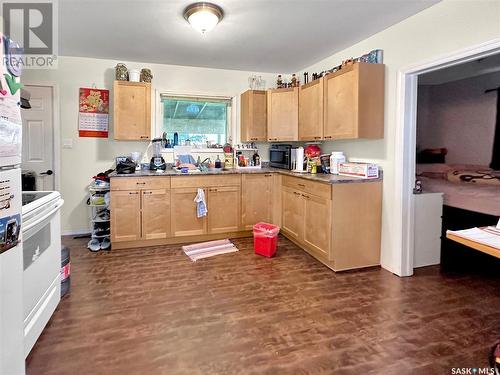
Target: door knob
{"points": [[48, 172]]}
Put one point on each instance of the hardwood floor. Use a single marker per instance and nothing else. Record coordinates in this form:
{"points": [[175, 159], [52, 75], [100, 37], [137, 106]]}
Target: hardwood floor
{"points": [[153, 311]]}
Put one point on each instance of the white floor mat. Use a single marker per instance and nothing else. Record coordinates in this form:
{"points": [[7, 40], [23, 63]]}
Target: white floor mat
{"points": [[209, 249]]}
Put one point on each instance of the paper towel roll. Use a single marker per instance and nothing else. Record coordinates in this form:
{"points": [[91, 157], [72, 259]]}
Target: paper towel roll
{"points": [[300, 159]]}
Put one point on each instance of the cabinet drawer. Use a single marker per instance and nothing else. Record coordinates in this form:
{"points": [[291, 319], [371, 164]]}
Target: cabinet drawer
{"points": [[133, 183], [315, 188], [205, 181]]}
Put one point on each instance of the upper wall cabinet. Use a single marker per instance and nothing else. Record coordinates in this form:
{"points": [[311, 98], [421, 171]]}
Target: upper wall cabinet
{"points": [[132, 111], [253, 116], [354, 102], [311, 111], [282, 114]]}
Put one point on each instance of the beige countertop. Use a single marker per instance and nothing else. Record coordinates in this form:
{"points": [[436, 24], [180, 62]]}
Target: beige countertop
{"points": [[321, 177]]}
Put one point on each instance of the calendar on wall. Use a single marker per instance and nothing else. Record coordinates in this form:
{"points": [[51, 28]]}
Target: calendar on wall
{"points": [[93, 115]]}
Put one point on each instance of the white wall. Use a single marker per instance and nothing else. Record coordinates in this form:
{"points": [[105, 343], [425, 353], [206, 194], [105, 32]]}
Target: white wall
{"points": [[92, 155], [445, 27], [459, 116]]}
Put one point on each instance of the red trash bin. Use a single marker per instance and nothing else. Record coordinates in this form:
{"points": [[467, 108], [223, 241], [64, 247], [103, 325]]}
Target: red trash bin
{"points": [[265, 239]]}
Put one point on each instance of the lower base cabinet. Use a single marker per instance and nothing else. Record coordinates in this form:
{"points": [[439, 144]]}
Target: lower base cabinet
{"points": [[256, 199], [140, 215], [184, 219], [125, 215], [306, 219], [338, 224]]}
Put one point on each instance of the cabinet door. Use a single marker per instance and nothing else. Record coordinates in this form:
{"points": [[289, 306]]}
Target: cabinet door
{"points": [[256, 199], [283, 114], [253, 116], [132, 110], [125, 213], [292, 220], [311, 111], [155, 214], [317, 227], [183, 213], [224, 209], [341, 105]]}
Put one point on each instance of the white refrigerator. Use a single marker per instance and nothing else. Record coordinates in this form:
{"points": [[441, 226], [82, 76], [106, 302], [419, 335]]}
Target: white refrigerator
{"points": [[11, 256]]}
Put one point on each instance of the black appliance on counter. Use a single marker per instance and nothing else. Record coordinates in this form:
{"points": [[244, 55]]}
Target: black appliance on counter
{"points": [[280, 156]]}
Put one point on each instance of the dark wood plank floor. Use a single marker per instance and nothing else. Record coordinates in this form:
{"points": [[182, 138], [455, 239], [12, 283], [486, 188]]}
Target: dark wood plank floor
{"points": [[153, 311]]}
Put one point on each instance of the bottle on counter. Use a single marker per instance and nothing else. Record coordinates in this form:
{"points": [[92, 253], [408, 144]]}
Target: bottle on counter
{"points": [[256, 159], [336, 158], [218, 163], [176, 139]]}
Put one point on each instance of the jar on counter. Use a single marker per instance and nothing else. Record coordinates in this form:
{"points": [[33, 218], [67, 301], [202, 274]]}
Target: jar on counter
{"points": [[336, 158]]}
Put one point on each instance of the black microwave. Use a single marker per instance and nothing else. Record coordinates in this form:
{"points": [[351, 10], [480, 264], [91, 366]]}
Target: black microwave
{"points": [[280, 156]]}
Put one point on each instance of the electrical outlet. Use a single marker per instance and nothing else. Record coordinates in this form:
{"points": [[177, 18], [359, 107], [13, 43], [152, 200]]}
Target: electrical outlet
{"points": [[68, 143]]}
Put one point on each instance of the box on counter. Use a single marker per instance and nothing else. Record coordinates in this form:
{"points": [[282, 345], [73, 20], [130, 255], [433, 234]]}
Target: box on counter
{"points": [[362, 170]]}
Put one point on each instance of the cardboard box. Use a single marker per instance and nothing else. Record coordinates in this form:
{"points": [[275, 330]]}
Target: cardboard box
{"points": [[362, 170]]}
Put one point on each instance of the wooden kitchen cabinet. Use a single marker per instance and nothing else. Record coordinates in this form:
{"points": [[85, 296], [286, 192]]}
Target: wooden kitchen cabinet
{"points": [[311, 111], [354, 102], [223, 209], [184, 219], [283, 114], [253, 116], [155, 214], [292, 221], [139, 212], [256, 199], [132, 111], [317, 227], [125, 208]]}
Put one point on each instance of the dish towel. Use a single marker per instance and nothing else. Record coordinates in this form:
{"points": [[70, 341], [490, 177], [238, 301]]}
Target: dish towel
{"points": [[201, 205]]}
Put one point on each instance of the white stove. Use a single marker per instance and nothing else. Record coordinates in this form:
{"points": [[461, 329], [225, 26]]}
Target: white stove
{"points": [[41, 238]]}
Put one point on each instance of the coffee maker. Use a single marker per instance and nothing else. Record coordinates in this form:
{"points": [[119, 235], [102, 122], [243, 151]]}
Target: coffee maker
{"points": [[157, 161]]}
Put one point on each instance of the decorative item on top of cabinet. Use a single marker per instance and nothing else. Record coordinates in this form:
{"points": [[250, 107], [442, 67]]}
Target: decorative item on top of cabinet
{"points": [[354, 102], [146, 75], [253, 116], [283, 114], [311, 111], [121, 72], [132, 111]]}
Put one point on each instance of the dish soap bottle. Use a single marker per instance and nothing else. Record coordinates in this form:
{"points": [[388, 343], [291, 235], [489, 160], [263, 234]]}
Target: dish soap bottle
{"points": [[218, 163]]}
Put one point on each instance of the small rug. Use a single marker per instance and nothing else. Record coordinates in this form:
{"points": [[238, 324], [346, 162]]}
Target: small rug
{"points": [[209, 249]]}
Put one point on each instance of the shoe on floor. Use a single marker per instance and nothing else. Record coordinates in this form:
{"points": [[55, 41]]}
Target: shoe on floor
{"points": [[105, 244], [94, 245]]}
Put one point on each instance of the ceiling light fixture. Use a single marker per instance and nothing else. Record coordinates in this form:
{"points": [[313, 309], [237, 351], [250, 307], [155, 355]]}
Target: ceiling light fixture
{"points": [[203, 16]]}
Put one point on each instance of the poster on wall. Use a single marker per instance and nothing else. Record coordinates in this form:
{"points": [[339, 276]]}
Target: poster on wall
{"points": [[93, 116]]}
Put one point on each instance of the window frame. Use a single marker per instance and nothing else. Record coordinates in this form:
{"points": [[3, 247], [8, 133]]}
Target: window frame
{"points": [[230, 116]]}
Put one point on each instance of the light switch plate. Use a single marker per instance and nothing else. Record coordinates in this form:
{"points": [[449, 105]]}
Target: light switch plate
{"points": [[68, 143]]}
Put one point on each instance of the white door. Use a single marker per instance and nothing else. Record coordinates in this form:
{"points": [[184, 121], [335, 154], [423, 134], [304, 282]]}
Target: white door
{"points": [[38, 136]]}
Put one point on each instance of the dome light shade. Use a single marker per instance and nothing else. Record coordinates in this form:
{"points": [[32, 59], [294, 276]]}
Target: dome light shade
{"points": [[203, 16]]}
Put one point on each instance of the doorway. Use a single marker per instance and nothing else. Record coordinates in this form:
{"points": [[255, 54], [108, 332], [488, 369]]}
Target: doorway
{"points": [[38, 153], [406, 141]]}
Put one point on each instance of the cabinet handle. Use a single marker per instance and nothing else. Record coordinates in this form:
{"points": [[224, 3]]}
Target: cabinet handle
{"points": [[147, 192], [140, 183], [305, 196], [212, 190], [328, 137], [273, 139], [317, 137], [253, 139], [144, 137], [268, 175], [133, 192], [301, 185], [296, 193]]}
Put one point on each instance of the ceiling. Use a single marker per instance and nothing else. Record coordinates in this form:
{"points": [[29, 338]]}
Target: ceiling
{"points": [[256, 35], [479, 67]]}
